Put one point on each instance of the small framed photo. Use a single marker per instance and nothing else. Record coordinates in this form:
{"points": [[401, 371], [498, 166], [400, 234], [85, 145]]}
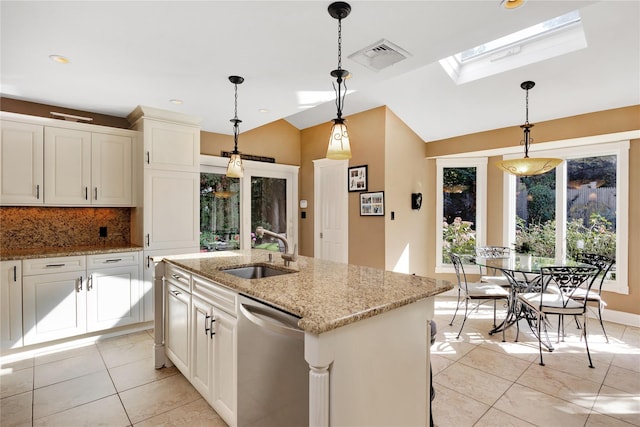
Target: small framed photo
{"points": [[357, 178], [372, 204]]}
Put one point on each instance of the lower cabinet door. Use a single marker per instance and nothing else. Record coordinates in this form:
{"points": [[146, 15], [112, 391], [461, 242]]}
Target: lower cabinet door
{"points": [[113, 298], [54, 306], [10, 304], [202, 342], [225, 376], [178, 327]]}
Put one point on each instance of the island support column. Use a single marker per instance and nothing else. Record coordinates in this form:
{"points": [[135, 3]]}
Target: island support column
{"points": [[158, 307], [372, 372]]}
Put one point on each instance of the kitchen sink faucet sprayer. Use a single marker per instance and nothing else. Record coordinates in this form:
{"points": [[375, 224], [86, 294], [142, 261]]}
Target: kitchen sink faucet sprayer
{"points": [[286, 256]]}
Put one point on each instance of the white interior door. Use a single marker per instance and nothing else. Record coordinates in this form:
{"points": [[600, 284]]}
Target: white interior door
{"points": [[331, 210]]}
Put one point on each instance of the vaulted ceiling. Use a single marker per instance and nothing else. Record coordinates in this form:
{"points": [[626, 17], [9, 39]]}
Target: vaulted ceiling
{"points": [[124, 54]]}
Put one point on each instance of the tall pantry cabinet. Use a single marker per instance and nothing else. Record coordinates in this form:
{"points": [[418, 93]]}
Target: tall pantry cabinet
{"points": [[166, 220]]}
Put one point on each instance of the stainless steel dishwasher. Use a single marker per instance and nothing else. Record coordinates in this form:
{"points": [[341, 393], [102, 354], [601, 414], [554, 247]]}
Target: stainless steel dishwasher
{"points": [[273, 377]]}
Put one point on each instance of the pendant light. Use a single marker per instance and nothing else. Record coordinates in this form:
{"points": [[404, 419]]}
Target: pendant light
{"points": [[528, 166], [339, 147], [235, 168]]}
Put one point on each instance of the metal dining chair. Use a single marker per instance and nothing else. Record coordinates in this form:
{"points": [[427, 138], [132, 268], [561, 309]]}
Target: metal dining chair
{"points": [[595, 296], [477, 291], [492, 275], [554, 296]]}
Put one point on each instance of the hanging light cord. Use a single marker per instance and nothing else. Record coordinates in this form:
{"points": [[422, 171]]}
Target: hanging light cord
{"points": [[527, 126], [236, 121], [338, 74]]}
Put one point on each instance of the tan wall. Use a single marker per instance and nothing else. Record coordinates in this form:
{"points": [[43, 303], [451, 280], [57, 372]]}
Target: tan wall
{"points": [[278, 139], [367, 136], [405, 173], [604, 122]]}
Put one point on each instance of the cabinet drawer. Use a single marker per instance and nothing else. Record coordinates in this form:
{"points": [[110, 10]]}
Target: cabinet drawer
{"points": [[119, 259], [32, 267], [215, 294], [178, 277]]}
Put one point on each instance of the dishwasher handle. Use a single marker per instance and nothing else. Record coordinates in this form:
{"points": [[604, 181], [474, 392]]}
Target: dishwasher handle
{"points": [[265, 319]]}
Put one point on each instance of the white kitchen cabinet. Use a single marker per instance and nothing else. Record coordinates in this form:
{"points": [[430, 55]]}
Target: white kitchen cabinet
{"points": [[113, 290], [171, 210], [171, 146], [178, 327], [67, 166], [84, 168], [223, 386], [10, 304], [54, 306], [111, 169], [201, 339], [21, 163]]}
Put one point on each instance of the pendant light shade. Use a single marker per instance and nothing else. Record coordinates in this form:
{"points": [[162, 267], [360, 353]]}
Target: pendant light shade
{"points": [[339, 147], [528, 166], [235, 169]]}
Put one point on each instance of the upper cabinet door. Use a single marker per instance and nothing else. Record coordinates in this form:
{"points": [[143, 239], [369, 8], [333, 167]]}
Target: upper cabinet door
{"points": [[21, 164], [111, 168], [169, 146], [67, 168]]}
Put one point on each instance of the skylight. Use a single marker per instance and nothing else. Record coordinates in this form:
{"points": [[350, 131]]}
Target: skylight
{"points": [[548, 39]]}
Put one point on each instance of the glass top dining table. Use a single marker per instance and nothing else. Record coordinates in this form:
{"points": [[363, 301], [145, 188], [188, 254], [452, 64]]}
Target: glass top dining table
{"points": [[523, 264]]}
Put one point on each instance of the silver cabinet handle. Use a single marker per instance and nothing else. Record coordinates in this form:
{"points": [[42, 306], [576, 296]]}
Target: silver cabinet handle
{"points": [[54, 265], [15, 273], [176, 293], [213, 319], [86, 193], [90, 282], [148, 158], [148, 239], [112, 260], [95, 192], [79, 285], [148, 261], [38, 191]]}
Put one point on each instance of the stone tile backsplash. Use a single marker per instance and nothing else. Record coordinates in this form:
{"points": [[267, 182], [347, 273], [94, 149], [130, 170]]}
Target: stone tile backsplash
{"points": [[35, 227]]}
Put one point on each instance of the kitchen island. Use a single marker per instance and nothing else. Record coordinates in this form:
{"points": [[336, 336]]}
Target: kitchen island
{"points": [[366, 331]]}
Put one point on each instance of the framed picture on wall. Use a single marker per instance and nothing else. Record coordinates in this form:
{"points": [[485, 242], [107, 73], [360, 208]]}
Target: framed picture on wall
{"points": [[357, 178], [372, 204]]}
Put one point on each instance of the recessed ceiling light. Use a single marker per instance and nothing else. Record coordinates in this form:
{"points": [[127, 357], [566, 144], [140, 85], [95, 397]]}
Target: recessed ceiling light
{"points": [[59, 59], [511, 4], [176, 101], [263, 110]]}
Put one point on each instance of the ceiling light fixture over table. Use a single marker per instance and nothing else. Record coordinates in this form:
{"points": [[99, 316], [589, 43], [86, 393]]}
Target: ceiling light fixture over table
{"points": [[339, 147], [528, 166], [235, 169]]}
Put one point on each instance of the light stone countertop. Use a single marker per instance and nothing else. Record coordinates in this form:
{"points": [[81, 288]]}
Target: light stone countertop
{"points": [[48, 252], [324, 294]]}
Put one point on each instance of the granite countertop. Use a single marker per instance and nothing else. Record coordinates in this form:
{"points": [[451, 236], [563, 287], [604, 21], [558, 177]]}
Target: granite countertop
{"points": [[324, 294], [47, 252]]}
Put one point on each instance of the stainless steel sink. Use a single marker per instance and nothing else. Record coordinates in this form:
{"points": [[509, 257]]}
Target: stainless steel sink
{"points": [[256, 271]]}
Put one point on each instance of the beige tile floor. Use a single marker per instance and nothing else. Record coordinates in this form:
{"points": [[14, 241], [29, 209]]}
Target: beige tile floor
{"points": [[479, 381]]}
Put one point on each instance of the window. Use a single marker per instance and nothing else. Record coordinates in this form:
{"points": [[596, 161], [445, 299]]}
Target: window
{"points": [[461, 202], [554, 37], [219, 212], [269, 210], [580, 206], [231, 209]]}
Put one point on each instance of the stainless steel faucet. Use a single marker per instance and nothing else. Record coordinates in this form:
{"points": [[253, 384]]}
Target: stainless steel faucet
{"points": [[286, 256]]}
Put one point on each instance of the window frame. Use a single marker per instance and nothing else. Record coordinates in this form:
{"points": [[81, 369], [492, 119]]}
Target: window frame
{"points": [[216, 164], [621, 150], [480, 163]]}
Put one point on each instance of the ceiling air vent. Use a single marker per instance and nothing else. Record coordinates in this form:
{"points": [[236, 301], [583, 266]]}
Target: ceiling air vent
{"points": [[379, 55]]}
